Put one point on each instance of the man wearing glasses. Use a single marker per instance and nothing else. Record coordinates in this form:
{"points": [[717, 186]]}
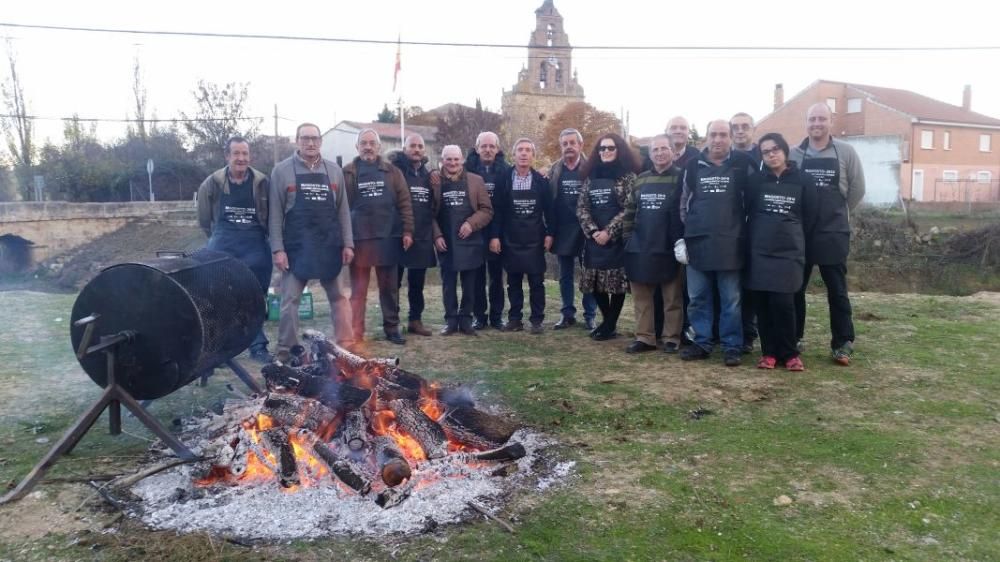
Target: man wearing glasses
{"points": [[742, 128], [311, 237]]}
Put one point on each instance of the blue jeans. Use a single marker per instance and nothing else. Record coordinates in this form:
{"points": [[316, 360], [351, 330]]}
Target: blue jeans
{"points": [[700, 291], [567, 290]]}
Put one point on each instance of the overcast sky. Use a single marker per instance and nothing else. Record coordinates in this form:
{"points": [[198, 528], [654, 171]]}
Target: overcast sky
{"points": [[90, 73]]}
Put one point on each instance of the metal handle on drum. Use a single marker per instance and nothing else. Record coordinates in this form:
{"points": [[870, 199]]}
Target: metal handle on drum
{"points": [[88, 333]]}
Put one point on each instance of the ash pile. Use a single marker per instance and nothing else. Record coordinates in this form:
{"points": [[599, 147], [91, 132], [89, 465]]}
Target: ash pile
{"points": [[343, 444]]}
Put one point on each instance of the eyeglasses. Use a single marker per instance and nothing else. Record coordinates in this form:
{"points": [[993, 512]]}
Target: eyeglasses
{"points": [[770, 151], [310, 139], [604, 148]]}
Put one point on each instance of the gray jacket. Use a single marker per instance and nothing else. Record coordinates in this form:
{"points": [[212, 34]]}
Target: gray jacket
{"points": [[852, 176], [209, 197], [282, 199]]}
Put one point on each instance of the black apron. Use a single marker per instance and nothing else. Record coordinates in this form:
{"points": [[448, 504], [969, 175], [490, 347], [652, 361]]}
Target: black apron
{"points": [[456, 207], [490, 179], [777, 241], [831, 239], [569, 236], [238, 232], [421, 253], [313, 240], [524, 231], [713, 229], [378, 227], [603, 208], [649, 255]]}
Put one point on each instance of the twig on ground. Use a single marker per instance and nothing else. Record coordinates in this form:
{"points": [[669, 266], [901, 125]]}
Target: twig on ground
{"points": [[507, 526]]}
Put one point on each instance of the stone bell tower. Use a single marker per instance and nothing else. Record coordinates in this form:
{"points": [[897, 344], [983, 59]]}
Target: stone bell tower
{"points": [[546, 84]]}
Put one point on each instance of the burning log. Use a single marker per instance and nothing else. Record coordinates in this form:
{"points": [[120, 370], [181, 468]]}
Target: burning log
{"points": [[476, 428], [276, 440], [392, 464], [345, 359], [354, 430], [386, 391], [406, 379], [511, 452], [291, 411], [307, 383], [343, 469], [427, 432]]}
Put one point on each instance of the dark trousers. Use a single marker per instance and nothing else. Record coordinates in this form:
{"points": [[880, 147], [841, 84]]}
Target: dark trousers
{"points": [[749, 313], [567, 290], [388, 296], [493, 269], [458, 314], [841, 325], [414, 290], [776, 324], [515, 292], [611, 309], [263, 275]]}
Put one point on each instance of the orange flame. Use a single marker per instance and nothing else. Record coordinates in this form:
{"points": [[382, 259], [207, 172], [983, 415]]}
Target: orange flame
{"points": [[384, 423]]}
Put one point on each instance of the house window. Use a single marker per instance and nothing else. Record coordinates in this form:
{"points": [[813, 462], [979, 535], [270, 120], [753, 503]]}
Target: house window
{"points": [[983, 176], [927, 139], [832, 104], [854, 105], [947, 140], [949, 175], [985, 143]]}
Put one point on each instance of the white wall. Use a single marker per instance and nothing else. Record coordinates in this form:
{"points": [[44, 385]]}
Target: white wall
{"points": [[880, 158]]}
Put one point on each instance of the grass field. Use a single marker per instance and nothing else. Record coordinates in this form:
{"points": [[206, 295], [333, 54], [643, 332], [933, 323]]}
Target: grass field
{"points": [[894, 458]]}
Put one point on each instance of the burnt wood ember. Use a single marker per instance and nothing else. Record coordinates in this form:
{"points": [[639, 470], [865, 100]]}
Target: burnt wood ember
{"points": [[406, 379], [427, 432], [343, 469], [476, 428], [276, 440], [354, 430], [391, 497], [393, 466], [347, 361], [291, 411], [511, 452], [305, 382], [387, 391]]}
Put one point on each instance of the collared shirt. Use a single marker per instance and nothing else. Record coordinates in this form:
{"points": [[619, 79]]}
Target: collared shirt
{"points": [[521, 182], [316, 165]]}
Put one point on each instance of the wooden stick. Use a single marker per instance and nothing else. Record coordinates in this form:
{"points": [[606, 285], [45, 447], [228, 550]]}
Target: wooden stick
{"points": [[507, 526], [124, 482]]}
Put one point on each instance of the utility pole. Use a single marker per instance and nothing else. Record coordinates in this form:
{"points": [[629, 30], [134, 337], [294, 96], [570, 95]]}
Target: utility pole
{"points": [[274, 143]]}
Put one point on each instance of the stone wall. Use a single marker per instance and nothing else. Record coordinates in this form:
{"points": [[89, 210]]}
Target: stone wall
{"points": [[526, 115]]}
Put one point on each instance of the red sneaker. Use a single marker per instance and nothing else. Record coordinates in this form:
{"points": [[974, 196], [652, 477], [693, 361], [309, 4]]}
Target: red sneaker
{"points": [[766, 362], [795, 364]]}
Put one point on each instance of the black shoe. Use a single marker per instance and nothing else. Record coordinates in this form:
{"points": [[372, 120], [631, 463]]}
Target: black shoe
{"points": [[590, 324], [670, 347], [496, 324], [449, 329], [693, 353], [513, 326], [732, 357], [639, 347], [747, 347], [395, 337], [480, 325], [604, 335], [467, 329], [564, 322], [537, 328], [261, 355]]}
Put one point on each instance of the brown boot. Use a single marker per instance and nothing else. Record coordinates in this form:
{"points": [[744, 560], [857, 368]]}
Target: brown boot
{"points": [[417, 327]]}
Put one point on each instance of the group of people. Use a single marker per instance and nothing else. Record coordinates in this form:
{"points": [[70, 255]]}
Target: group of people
{"points": [[715, 245]]}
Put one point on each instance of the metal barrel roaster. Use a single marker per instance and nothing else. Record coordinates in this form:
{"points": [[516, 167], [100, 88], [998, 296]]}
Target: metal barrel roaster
{"points": [[189, 314]]}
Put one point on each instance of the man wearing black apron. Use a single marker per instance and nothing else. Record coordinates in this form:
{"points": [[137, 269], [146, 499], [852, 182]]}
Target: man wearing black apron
{"points": [[487, 161], [524, 233], [565, 181], [425, 196], [679, 132], [458, 236], [382, 218], [714, 235], [232, 210], [840, 182], [742, 127], [651, 227], [311, 236]]}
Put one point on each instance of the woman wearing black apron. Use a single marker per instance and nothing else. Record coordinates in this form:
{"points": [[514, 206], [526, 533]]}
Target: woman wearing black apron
{"points": [[610, 172], [781, 212]]}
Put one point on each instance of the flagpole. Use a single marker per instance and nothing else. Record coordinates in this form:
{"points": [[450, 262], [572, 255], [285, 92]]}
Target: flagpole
{"points": [[395, 79]]}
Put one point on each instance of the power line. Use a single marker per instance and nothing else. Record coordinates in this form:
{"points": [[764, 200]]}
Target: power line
{"points": [[497, 45], [113, 120]]}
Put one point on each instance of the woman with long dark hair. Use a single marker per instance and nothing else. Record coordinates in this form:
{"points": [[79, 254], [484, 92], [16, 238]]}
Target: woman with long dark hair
{"points": [[610, 172], [781, 211]]}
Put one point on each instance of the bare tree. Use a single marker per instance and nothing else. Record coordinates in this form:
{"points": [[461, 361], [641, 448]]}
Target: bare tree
{"points": [[17, 125], [139, 91], [221, 114]]}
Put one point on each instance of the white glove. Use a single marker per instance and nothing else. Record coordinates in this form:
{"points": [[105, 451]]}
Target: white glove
{"points": [[681, 251]]}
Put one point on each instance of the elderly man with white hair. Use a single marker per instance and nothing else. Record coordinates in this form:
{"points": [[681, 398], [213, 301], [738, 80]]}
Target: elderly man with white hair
{"points": [[382, 217], [487, 161], [464, 212]]}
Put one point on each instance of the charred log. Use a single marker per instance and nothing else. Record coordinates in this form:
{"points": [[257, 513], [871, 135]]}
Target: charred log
{"points": [[354, 430], [476, 428], [276, 441], [307, 383], [406, 379], [393, 466], [511, 452], [291, 411], [343, 469], [391, 497], [346, 360], [427, 432], [386, 391]]}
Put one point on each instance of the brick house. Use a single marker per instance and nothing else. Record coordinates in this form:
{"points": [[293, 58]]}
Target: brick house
{"points": [[911, 146], [339, 142]]}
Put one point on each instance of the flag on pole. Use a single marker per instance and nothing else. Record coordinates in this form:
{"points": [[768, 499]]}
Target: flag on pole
{"points": [[395, 74]]}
